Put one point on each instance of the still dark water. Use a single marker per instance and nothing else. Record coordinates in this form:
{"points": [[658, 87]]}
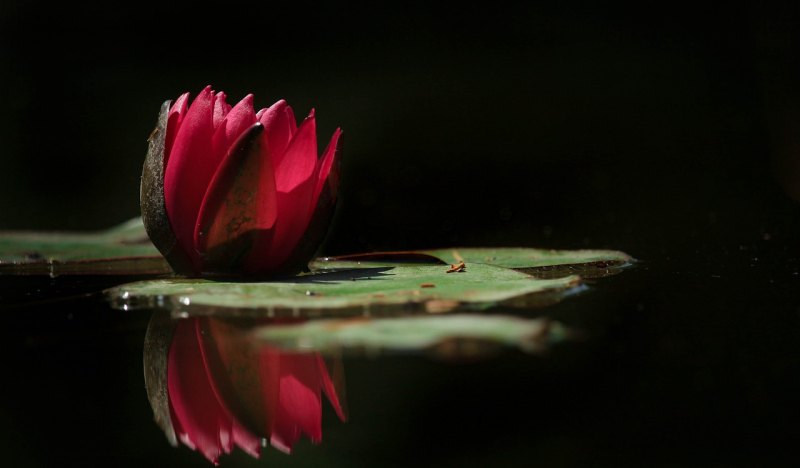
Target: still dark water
{"points": [[688, 360]]}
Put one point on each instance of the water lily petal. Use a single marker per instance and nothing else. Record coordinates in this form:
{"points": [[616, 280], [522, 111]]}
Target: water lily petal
{"points": [[190, 168], [279, 121], [237, 380], [211, 339], [240, 205], [329, 388], [295, 184], [327, 168], [194, 406], [233, 125], [289, 116], [221, 108], [320, 210], [151, 194], [299, 403], [246, 440], [176, 114], [269, 372], [298, 163]]}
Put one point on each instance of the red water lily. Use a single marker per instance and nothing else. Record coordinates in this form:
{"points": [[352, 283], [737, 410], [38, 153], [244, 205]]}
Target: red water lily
{"points": [[242, 191], [224, 393]]}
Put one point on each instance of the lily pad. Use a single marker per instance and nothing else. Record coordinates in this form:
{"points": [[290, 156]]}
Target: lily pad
{"points": [[543, 263], [358, 291], [124, 249], [448, 335]]}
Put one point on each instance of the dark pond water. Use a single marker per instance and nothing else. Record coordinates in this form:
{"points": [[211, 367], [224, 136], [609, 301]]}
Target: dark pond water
{"points": [[688, 360]]}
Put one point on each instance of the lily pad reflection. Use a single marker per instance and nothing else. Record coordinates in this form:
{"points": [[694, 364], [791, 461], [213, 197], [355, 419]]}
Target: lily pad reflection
{"points": [[450, 336]]}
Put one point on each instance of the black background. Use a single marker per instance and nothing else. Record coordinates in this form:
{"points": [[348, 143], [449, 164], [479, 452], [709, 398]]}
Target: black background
{"points": [[670, 132]]}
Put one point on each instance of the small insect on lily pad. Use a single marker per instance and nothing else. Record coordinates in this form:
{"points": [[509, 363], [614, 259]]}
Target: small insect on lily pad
{"points": [[398, 288]]}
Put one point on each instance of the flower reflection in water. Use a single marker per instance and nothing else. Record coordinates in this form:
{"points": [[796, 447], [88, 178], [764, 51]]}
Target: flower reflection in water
{"points": [[213, 388]]}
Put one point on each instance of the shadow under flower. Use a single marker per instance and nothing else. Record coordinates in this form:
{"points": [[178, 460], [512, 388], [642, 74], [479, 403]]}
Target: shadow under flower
{"points": [[321, 276]]}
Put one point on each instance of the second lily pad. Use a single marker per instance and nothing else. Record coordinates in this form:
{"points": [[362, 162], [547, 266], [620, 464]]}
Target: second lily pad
{"points": [[543, 263]]}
